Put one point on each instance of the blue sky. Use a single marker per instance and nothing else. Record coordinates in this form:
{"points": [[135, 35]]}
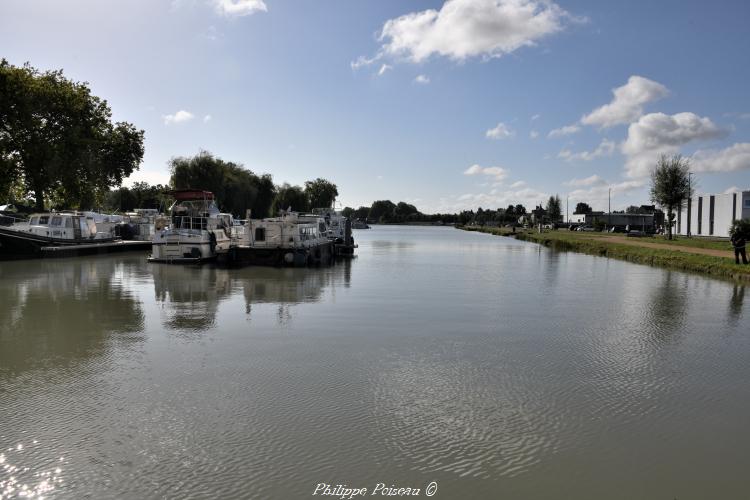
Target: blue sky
{"points": [[446, 105]]}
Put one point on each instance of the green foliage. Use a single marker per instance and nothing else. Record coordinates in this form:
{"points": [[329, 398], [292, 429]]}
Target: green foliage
{"points": [[236, 188], [554, 208], [321, 193], [742, 227], [583, 208], [670, 185], [139, 195], [287, 196], [59, 139], [382, 210]]}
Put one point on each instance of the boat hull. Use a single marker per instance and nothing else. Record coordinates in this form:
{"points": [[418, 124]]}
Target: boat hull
{"points": [[279, 257], [18, 245]]}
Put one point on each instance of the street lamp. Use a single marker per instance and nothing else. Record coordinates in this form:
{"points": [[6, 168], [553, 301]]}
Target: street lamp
{"points": [[689, 203]]}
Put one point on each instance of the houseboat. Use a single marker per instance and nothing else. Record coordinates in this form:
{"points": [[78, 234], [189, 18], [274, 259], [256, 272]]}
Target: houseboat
{"points": [[287, 240], [61, 234], [195, 232], [338, 230]]}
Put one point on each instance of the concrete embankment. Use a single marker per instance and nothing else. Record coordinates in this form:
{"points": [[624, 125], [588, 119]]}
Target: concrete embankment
{"points": [[642, 251]]}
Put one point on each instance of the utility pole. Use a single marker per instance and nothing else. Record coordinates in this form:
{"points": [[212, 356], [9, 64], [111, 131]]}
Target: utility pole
{"points": [[609, 209], [690, 200], [567, 204]]}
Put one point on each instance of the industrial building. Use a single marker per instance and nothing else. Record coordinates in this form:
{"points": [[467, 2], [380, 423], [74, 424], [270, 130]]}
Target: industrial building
{"points": [[712, 214]]}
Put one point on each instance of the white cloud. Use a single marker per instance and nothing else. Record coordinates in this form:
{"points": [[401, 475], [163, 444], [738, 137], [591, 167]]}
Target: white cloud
{"points": [[498, 173], [563, 131], [605, 148], [363, 61], [237, 8], [733, 189], [731, 159], [422, 79], [181, 116], [627, 104], [470, 28], [207, 118], [599, 190], [533, 134], [656, 133], [501, 131], [517, 184], [383, 69], [535, 117], [594, 180]]}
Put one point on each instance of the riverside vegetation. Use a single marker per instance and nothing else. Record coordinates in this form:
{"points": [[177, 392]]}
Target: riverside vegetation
{"points": [[607, 245]]}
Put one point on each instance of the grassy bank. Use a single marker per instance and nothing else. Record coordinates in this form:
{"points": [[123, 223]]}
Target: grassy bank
{"points": [[600, 245]]}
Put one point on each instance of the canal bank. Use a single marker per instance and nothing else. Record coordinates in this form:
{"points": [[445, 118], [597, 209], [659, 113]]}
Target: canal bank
{"points": [[705, 259]]}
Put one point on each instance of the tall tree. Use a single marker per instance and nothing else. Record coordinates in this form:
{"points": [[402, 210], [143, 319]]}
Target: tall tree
{"points": [[583, 208], [382, 210], [60, 138], [520, 210], [236, 188], [288, 196], [554, 208], [670, 185], [321, 193]]}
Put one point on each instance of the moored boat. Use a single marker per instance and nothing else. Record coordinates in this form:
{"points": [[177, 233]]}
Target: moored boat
{"points": [[196, 230], [68, 233], [287, 240]]}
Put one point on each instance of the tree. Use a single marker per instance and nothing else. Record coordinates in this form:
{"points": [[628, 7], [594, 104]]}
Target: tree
{"points": [[520, 210], [236, 188], [554, 208], [288, 196], [60, 140], [583, 208], [321, 193], [670, 185], [382, 210]]}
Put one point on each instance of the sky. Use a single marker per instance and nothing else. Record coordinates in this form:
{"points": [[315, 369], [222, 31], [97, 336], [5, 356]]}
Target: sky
{"points": [[447, 105]]}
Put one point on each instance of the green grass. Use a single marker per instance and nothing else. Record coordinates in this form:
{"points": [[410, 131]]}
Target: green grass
{"points": [[598, 245]]}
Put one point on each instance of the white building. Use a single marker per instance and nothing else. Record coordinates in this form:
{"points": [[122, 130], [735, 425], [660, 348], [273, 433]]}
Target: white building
{"points": [[712, 214]]}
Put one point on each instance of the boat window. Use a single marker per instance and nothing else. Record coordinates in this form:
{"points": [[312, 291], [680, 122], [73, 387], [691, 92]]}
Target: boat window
{"points": [[56, 221], [260, 234], [34, 221], [68, 222], [43, 220]]}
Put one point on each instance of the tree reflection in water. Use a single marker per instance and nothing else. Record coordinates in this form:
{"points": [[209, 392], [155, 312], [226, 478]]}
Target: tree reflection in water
{"points": [[60, 311]]}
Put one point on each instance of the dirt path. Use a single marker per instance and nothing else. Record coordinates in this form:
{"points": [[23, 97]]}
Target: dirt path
{"points": [[665, 246]]}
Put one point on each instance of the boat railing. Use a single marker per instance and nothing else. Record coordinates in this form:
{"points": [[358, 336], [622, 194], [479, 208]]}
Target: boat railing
{"points": [[187, 222]]}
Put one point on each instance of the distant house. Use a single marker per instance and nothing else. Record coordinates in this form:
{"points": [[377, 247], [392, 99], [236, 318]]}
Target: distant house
{"points": [[712, 214], [538, 215]]}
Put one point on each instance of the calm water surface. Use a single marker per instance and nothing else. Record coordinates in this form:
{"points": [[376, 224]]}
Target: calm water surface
{"points": [[496, 368]]}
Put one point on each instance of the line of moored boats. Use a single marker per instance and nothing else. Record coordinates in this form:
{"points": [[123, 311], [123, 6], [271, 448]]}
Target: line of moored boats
{"points": [[193, 231]]}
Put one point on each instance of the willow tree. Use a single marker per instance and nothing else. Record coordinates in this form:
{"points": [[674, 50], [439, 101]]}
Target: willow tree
{"points": [[57, 138], [321, 193], [670, 185]]}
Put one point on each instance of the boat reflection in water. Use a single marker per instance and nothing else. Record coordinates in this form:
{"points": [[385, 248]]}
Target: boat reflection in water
{"points": [[67, 310], [190, 296]]}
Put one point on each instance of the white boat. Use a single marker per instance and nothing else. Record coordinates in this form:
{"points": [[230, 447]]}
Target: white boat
{"points": [[289, 239], [61, 233], [338, 230], [196, 230]]}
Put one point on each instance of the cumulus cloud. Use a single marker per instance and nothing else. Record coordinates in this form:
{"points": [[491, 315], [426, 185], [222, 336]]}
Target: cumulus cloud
{"points": [[181, 116], [533, 134], [599, 189], [535, 117], [501, 131], [605, 148], [496, 198], [733, 189], [731, 159], [422, 79], [563, 131], [594, 180], [469, 28], [238, 8], [627, 104], [498, 173], [517, 184], [655, 134]]}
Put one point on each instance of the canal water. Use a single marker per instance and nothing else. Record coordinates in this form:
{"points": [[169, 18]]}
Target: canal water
{"points": [[490, 367]]}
